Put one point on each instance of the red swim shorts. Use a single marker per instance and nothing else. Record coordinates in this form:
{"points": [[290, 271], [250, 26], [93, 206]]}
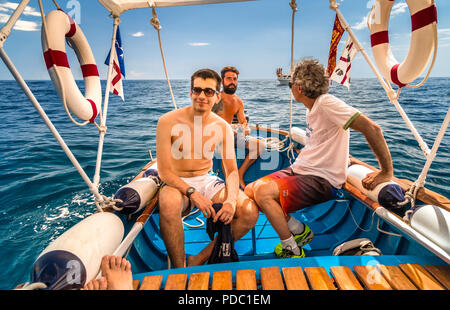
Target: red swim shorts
{"points": [[298, 191]]}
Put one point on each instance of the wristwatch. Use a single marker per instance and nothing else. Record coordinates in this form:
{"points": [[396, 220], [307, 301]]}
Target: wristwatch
{"points": [[190, 191]]}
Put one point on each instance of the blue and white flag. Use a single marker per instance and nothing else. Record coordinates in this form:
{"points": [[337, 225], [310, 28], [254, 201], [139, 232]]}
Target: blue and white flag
{"points": [[118, 67]]}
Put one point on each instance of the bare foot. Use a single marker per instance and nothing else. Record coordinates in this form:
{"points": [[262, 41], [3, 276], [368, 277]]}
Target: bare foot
{"points": [[96, 285], [117, 271]]}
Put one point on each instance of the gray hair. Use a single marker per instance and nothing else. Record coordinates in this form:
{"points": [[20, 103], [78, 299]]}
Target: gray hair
{"points": [[312, 77]]}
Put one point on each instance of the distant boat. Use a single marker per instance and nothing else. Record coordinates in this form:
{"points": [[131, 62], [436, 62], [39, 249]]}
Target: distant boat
{"points": [[283, 79]]}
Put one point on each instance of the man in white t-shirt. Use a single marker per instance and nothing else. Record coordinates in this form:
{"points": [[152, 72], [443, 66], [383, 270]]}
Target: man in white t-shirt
{"points": [[321, 166]]}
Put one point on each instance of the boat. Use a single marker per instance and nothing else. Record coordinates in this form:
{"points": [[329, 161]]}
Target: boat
{"points": [[409, 242], [283, 79]]}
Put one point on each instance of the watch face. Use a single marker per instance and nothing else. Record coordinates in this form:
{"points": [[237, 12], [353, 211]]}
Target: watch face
{"points": [[190, 190]]}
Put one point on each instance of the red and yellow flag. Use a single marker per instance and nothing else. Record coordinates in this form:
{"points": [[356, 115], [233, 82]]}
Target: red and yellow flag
{"points": [[338, 31]]}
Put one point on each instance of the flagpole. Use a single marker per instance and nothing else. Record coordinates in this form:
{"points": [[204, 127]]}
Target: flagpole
{"points": [[387, 87], [103, 116]]}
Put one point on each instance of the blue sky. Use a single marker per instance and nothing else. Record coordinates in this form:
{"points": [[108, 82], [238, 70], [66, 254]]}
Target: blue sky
{"points": [[253, 36]]}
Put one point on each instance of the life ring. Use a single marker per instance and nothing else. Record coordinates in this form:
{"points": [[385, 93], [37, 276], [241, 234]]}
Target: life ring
{"points": [[423, 40], [60, 27]]}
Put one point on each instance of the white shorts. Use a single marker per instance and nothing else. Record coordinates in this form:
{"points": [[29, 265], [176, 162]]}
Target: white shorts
{"points": [[208, 184]]}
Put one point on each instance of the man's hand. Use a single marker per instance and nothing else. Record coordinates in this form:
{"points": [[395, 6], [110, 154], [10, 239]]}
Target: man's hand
{"points": [[226, 214], [373, 179], [203, 204], [246, 130]]}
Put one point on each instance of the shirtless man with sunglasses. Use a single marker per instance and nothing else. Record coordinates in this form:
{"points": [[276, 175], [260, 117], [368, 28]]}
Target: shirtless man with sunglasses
{"points": [[185, 142]]}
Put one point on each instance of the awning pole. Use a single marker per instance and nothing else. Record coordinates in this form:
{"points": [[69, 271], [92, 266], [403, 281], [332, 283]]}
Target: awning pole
{"points": [[387, 87], [49, 124], [103, 114]]}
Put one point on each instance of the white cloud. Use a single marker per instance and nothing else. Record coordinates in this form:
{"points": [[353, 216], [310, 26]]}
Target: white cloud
{"points": [[135, 75], [444, 32], [21, 25], [198, 44], [444, 37], [398, 8], [10, 6], [361, 25], [138, 34]]}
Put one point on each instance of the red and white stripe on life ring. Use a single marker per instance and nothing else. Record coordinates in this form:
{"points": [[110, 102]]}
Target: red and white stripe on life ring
{"points": [[61, 26], [423, 19]]}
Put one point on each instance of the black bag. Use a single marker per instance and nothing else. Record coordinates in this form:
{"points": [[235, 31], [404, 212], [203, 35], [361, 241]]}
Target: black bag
{"points": [[223, 251]]}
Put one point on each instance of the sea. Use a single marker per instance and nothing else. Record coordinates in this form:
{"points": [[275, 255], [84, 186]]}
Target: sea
{"points": [[42, 194]]}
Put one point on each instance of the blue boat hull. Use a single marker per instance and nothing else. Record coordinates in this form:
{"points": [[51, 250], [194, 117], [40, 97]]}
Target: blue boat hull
{"points": [[332, 222]]}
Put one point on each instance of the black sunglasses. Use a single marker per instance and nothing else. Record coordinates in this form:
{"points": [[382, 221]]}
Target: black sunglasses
{"points": [[209, 92], [290, 85]]}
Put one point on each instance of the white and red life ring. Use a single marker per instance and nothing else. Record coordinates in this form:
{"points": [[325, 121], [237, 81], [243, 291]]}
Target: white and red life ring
{"points": [[61, 26], [423, 19]]}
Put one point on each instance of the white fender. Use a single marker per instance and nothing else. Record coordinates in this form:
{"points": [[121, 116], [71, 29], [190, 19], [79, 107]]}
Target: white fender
{"points": [[298, 135], [434, 223], [358, 172], [61, 27], [95, 236], [136, 195], [423, 20]]}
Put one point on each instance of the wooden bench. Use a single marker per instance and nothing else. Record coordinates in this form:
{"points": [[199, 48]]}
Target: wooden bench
{"points": [[380, 277]]}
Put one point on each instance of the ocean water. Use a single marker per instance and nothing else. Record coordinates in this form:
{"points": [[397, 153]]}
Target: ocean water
{"points": [[42, 194]]}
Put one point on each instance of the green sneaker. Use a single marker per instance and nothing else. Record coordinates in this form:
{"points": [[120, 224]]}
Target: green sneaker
{"points": [[305, 237], [287, 253]]}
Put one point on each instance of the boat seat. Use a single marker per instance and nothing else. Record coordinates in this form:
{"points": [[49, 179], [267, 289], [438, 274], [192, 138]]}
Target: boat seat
{"points": [[380, 277]]}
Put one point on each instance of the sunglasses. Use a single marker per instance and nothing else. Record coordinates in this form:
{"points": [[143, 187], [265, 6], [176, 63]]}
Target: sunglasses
{"points": [[290, 85], [209, 92]]}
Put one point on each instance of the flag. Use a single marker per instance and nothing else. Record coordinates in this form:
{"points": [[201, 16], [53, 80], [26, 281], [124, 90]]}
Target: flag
{"points": [[118, 71], [341, 73], [336, 35]]}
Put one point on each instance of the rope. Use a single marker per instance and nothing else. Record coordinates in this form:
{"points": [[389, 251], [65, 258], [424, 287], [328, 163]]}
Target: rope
{"points": [[271, 143], [108, 203], [386, 232], [197, 219], [156, 24], [293, 5], [56, 4]]}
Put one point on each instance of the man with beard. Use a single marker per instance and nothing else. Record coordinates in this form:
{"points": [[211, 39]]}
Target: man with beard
{"points": [[229, 106]]}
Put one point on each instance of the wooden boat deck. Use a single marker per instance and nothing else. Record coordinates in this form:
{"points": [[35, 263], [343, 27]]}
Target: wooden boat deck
{"points": [[380, 277]]}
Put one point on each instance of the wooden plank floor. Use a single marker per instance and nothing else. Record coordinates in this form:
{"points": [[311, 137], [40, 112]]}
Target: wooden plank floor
{"points": [[380, 277]]}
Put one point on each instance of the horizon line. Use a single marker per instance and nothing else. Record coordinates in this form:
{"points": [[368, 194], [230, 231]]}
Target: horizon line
{"points": [[187, 79]]}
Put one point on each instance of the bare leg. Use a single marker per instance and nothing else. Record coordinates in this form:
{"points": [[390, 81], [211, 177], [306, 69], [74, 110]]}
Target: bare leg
{"points": [[255, 147], [267, 197], [244, 219], [243, 169], [171, 202]]}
